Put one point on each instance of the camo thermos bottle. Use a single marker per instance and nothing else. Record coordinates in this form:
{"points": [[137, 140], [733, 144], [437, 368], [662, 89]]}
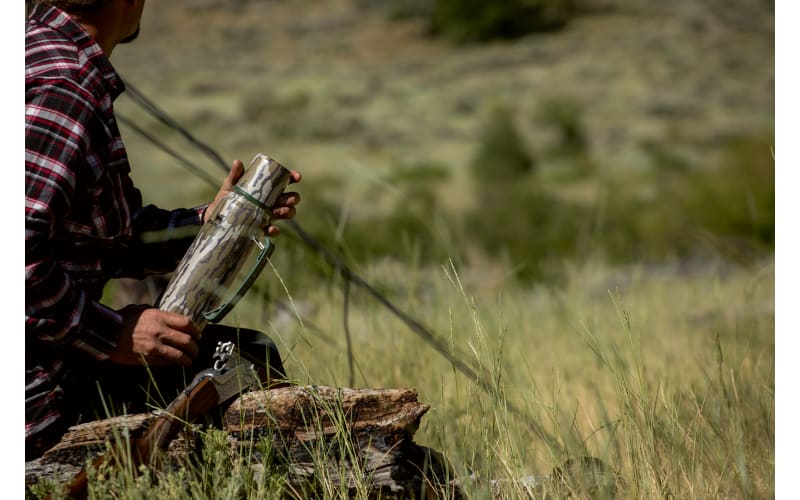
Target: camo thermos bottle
{"points": [[211, 277]]}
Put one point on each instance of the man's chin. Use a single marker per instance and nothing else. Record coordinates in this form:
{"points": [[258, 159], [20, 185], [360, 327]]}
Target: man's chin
{"points": [[131, 37]]}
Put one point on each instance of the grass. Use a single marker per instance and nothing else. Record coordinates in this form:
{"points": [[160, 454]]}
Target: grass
{"points": [[666, 377]]}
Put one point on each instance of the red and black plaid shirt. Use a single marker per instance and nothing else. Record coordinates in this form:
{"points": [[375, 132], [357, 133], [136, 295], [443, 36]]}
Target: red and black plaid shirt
{"points": [[84, 219]]}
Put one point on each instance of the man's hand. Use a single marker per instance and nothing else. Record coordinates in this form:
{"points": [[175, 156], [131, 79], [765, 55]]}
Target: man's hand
{"points": [[284, 207], [156, 337]]}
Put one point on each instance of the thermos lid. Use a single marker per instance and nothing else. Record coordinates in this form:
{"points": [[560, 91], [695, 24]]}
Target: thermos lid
{"points": [[263, 181]]}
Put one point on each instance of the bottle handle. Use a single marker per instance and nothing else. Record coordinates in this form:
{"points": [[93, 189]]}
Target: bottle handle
{"points": [[267, 247]]}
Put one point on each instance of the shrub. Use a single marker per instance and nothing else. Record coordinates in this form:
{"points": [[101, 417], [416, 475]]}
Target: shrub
{"points": [[564, 115], [735, 201], [502, 154], [514, 216], [530, 228], [726, 208], [477, 20]]}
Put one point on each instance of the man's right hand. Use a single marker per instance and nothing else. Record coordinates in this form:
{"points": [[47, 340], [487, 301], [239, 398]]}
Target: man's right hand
{"points": [[156, 337]]}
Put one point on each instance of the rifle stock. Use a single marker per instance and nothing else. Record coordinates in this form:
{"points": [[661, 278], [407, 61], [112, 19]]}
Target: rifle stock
{"points": [[190, 406], [210, 388]]}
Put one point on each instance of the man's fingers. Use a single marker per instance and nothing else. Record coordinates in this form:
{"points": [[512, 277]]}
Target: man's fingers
{"points": [[236, 171], [296, 177], [161, 337], [289, 199], [182, 342], [284, 212], [285, 207], [182, 323]]}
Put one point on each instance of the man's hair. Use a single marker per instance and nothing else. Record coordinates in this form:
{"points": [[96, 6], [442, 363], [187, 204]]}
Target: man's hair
{"points": [[72, 6]]}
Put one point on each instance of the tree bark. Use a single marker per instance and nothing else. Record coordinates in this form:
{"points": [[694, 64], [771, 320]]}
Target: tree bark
{"points": [[352, 438]]}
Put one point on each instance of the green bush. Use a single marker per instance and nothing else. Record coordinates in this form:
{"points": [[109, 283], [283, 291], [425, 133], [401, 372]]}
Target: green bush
{"points": [[502, 154], [477, 20], [727, 208], [513, 216], [531, 229], [735, 201], [724, 209], [564, 115]]}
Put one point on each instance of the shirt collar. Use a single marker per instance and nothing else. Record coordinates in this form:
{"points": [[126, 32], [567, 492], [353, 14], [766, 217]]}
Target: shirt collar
{"points": [[60, 21]]}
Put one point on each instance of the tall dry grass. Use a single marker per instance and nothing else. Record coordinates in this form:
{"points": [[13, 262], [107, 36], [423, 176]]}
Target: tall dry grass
{"points": [[665, 374]]}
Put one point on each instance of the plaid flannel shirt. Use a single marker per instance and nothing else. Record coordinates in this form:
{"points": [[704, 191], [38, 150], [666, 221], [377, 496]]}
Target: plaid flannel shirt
{"points": [[84, 219]]}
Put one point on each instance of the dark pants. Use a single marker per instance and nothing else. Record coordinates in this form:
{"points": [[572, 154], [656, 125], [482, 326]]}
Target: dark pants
{"points": [[96, 390]]}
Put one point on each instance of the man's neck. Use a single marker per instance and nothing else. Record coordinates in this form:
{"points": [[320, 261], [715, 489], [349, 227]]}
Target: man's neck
{"points": [[101, 26]]}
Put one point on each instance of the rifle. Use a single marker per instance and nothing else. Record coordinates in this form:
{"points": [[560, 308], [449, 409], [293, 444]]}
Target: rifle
{"points": [[230, 375]]}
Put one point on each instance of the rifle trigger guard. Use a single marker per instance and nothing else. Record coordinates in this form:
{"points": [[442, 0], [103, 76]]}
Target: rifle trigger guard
{"points": [[222, 354]]}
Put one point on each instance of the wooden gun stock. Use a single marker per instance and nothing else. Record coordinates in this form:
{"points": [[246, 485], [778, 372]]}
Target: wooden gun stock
{"points": [[210, 388], [189, 407]]}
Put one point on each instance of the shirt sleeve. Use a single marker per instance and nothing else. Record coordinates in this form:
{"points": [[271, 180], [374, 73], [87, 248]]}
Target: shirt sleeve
{"points": [[161, 238], [57, 310]]}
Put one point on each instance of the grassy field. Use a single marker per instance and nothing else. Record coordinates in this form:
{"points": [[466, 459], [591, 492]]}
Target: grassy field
{"points": [[586, 217], [665, 374]]}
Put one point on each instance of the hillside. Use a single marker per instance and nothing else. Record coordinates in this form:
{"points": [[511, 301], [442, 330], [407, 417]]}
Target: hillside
{"points": [[342, 89]]}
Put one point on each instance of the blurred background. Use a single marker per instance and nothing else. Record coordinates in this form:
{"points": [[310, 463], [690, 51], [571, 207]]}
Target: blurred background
{"points": [[506, 136]]}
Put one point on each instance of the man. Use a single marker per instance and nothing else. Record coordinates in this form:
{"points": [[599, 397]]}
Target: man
{"points": [[84, 223]]}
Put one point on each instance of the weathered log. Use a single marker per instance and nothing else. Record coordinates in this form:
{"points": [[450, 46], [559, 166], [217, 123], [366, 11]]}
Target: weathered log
{"points": [[346, 436], [350, 438], [353, 440]]}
